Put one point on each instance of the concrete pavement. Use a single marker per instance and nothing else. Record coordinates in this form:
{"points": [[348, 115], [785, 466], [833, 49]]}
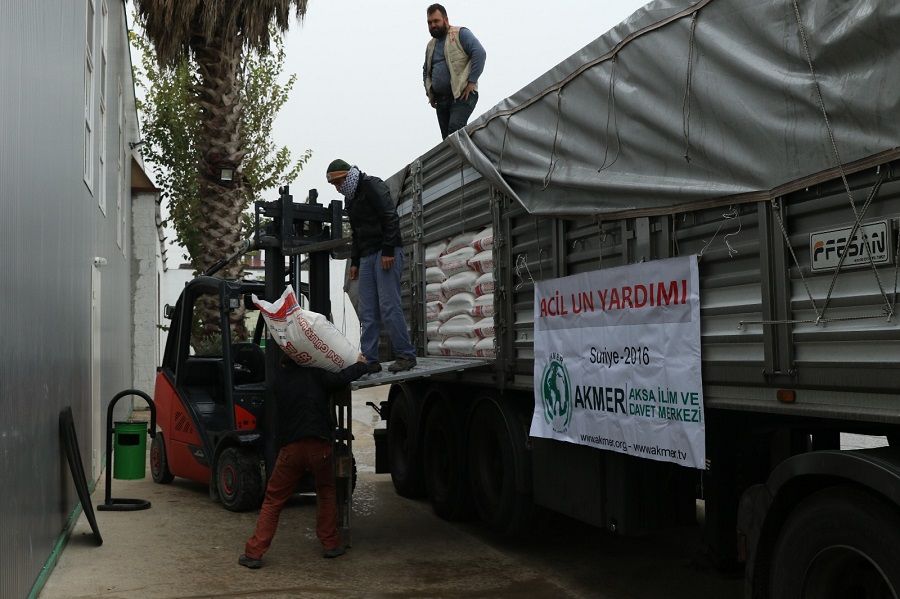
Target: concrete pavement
{"points": [[187, 546]]}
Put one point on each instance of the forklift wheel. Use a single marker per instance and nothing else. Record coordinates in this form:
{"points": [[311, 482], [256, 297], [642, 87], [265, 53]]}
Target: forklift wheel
{"points": [[238, 479], [159, 464]]}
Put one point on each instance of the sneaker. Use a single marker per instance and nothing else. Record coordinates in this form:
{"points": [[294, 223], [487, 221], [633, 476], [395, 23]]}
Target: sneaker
{"points": [[401, 364], [336, 552], [373, 367], [250, 562]]}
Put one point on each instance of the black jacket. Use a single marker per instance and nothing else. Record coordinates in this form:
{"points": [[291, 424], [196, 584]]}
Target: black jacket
{"points": [[373, 219], [301, 393]]}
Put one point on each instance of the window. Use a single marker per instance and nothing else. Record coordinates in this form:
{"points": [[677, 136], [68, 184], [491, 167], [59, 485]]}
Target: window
{"points": [[104, 25], [206, 343], [89, 97]]}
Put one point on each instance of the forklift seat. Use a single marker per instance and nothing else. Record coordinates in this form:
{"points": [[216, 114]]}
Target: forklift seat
{"points": [[249, 362], [203, 377]]}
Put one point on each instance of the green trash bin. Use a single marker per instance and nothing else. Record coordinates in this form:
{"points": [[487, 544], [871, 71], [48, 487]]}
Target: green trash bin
{"points": [[130, 450]]}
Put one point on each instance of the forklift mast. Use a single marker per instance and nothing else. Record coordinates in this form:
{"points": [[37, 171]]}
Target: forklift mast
{"points": [[294, 229]]}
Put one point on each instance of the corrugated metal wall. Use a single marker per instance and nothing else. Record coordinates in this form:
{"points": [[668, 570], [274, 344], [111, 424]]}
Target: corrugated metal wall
{"points": [[747, 276], [50, 230]]}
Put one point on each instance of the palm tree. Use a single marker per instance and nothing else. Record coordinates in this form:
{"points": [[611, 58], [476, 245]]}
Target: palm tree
{"points": [[215, 34]]}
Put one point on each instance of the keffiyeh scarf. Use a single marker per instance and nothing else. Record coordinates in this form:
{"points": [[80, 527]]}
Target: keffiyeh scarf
{"points": [[348, 187]]}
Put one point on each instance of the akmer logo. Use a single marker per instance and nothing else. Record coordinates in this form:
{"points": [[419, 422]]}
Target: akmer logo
{"points": [[556, 394]]}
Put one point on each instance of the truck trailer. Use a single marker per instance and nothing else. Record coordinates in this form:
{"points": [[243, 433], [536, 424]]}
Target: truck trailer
{"points": [[757, 143]]}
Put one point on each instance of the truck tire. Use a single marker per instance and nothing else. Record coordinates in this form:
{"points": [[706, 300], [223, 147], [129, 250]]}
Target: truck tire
{"points": [[159, 463], [403, 444], [496, 457], [840, 542], [444, 459], [238, 479]]}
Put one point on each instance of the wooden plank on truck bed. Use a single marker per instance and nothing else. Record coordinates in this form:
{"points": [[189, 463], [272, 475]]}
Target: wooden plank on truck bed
{"points": [[424, 368]]}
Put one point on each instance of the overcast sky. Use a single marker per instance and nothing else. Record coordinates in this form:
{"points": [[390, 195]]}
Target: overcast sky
{"points": [[359, 93]]}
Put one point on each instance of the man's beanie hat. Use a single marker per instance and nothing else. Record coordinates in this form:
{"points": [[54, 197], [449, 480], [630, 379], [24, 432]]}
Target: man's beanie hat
{"points": [[338, 168]]}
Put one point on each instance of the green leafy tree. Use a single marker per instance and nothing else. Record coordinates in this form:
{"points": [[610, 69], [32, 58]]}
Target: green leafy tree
{"points": [[171, 126], [210, 73]]}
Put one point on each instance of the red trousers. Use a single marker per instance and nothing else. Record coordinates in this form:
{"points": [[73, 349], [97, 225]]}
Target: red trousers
{"points": [[294, 460]]}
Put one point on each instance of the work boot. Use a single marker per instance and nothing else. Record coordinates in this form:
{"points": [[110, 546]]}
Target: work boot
{"points": [[250, 562], [336, 552], [373, 367], [402, 363]]}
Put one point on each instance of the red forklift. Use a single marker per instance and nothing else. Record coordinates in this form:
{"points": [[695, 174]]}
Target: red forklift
{"points": [[214, 402]]}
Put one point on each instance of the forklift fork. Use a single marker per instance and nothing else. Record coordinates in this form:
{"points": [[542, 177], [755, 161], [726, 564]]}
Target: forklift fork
{"points": [[344, 468]]}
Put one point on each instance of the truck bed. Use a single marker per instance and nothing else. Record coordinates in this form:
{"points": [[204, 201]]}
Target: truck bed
{"points": [[425, 367]]}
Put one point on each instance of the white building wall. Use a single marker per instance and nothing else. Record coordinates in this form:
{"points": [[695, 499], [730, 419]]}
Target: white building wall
{"points": [[173, 282], [145, 283]]}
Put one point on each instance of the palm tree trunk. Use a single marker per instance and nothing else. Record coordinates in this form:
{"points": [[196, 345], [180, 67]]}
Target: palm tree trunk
{"points": [[221, 143]]}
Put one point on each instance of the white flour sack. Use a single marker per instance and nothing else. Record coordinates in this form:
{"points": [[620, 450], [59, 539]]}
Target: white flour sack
{"points": [[433, 274], [484, 328], [463, 281], [433, 252], [484, 284], [483, 307], [434, 292], [485, 348], [436, 348], [432, 309], [483, 262], [459, 346], [461, 325], [456, 262], [460, 241], [307, 337], [461, 303], [431, 329], [484, 240]]}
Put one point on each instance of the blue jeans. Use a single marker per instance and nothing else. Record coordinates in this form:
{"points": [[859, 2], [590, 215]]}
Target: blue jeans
{"points": [[454, 114], [379, 302]]}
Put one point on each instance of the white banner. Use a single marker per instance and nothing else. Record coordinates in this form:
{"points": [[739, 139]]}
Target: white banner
{"points": [[617, 361]]}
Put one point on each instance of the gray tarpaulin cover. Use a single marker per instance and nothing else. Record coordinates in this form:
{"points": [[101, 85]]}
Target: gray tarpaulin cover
{"points": [[692, 104]]}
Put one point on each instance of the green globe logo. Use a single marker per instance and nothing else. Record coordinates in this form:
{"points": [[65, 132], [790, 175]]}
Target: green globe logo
{"points": [[556, 396]]}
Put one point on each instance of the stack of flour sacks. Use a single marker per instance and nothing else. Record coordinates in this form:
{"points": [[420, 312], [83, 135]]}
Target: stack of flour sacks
{"points": [[459, 291]]}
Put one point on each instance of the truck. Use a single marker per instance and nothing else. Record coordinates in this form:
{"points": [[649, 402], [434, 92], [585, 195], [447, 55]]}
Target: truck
{"points": [[759, 141]]}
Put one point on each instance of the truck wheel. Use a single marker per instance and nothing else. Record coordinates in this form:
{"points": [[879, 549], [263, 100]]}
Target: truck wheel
{"points": [[444, 460], [403, 440], [159, 464], [840, 542], [496, 457], [238, 479]]}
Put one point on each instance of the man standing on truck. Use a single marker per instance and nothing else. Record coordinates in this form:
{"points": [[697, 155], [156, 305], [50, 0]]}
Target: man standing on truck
{"points": [[376, 259], [306, 438], [454, 60]]}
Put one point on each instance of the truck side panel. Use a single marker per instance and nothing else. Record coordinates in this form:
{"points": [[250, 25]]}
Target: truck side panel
{"points": [[759, 325]]}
